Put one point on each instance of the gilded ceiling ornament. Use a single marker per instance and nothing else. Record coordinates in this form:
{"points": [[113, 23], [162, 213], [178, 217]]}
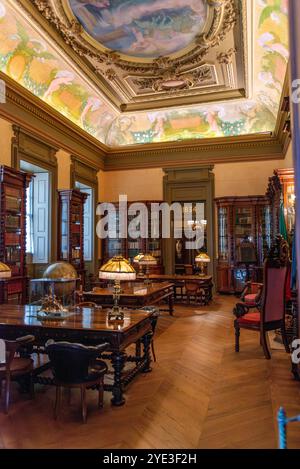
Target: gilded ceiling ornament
{"points": [[110, 74], [224, 19], [226, 57]]}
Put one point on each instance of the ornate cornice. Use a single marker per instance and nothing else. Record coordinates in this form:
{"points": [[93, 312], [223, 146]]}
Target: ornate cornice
{"points": [[220, 150], [28, 111]]}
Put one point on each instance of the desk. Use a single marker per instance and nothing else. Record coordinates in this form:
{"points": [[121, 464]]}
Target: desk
{"points": [[89, 327], [133, 295], [204, 282]]}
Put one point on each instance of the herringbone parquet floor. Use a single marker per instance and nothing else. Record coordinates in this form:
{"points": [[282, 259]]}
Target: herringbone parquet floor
{"points": [[200, 394]]}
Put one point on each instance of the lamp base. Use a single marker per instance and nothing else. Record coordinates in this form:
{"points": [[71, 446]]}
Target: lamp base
{"points": [[115, 314]]}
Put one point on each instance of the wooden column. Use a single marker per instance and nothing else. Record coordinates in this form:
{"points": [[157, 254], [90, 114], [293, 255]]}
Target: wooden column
{"points": [[294, 33]]}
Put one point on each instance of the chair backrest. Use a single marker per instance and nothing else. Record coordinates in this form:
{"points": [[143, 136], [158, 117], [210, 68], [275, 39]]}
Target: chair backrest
{"points": [[191, 287], [12, 346], [276, 267], [70, 362]]}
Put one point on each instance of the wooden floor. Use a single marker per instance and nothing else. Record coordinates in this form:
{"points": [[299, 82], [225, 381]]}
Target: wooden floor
{"points": [[200, 394]]}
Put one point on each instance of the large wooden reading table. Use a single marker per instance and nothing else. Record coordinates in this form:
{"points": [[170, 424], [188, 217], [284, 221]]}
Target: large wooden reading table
{"points": [[90, 327], [204, 282], [134, 295]]}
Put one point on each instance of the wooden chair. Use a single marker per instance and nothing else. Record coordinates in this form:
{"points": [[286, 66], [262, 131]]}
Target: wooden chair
{"points": [[270, 314], [192, 290], [251, 294], [75, 366], [15, 367]]}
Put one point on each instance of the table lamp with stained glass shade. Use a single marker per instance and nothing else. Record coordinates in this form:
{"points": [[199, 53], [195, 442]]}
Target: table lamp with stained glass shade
{"points": [[136, 260], [5, 271], [201, 259], [117, 268], [147, 260]]}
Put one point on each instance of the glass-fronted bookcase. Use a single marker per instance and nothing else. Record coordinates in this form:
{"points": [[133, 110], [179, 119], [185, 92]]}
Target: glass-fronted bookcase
{"points": [[244, 237], [13, 185], [129, 246], [71, 228]]}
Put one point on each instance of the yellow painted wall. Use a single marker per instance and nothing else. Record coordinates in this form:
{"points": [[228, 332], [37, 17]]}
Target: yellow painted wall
{"points": [[138, 184], [6, 135], [63, 158], [64, 163], [251, 178], [230, 179]]}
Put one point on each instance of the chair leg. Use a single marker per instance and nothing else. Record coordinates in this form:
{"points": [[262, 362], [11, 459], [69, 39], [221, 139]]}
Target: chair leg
{"points": [[237, 335], [153, 351], [7, 394], [57, 402], [264, 343], [83, 403], [100, 394], [285, 339]]}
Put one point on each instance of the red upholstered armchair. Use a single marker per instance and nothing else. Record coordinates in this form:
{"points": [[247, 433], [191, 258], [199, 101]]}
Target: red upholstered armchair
{"points": [[251, 294], [270, 312]]}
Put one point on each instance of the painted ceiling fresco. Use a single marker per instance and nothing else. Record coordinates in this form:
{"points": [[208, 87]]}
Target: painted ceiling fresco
{"points": [[31, 61], [254, 115], [36, 63], [142, 28]]}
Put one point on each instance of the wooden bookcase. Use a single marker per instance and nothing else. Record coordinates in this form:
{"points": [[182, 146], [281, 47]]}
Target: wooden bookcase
{"points": [[129, 247], [13, 185], [287, 180], [71, 229], [239, 217]]}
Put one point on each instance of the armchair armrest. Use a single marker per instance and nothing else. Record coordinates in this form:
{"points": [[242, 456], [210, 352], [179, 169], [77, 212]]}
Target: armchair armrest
{"points": [[240, 310], [26, 339], [251, 287], [98, 349]]}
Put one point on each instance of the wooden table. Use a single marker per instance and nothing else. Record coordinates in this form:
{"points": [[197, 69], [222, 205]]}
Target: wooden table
{"points": [[205, 282], [133, 295], [89, 327]]}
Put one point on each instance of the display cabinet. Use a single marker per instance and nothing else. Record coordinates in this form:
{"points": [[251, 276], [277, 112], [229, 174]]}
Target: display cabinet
{"points": [[13, 185], [130, 246], [244, 237], [71, 229], [286, 177]]}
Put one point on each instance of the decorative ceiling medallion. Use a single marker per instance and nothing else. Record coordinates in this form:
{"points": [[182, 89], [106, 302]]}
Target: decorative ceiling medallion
{"points": [[142, 28], [170, 31]]}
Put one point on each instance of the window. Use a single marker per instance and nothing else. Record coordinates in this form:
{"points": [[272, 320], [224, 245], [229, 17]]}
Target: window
{"points": [[29, 218], [88, 220], [37, 213]]}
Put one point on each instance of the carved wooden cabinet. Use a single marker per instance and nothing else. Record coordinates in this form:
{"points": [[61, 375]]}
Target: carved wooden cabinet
{"points": [[242, 222], [71, 228], [13, 185], [128, 246]]}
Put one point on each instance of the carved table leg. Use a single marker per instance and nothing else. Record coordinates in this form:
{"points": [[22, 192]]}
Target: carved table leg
{"points": [[147, 344], [171, 304], [118, 362]]}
